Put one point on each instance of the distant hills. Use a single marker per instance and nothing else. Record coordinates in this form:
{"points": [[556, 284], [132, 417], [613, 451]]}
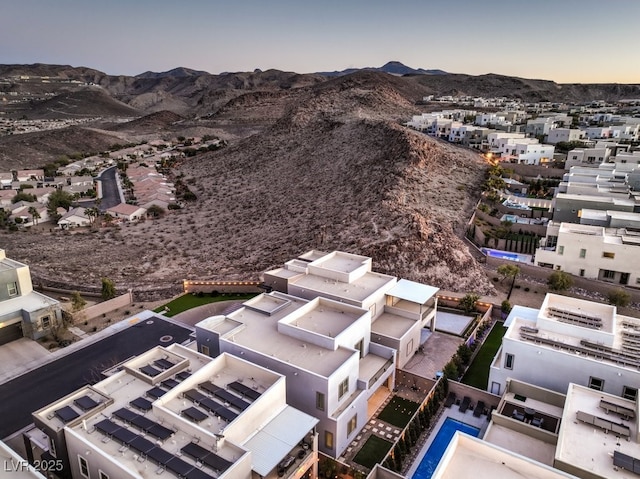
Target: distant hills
{"points": [[393, 68]]}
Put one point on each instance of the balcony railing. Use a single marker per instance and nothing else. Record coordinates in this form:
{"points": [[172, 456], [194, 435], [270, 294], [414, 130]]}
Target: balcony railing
{"points": [[380, 372]]}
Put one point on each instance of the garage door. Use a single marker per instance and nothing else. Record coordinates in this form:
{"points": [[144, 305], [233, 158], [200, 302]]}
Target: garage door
{"points": [[10, 332]]}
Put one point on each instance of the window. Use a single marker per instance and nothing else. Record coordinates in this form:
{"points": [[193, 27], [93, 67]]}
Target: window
{"points": [[84, 466], [508, 361], [343, 388], [596, 383], [629, 393], [52, 447], [410, 348], [12, 288], [204, 350], [608, 255], [319, 400], [328, 440], [46, 322], [352, 424], [581, 272], [608, 274], [560, 250], [360, 346], [583, 253], [102, 474]]}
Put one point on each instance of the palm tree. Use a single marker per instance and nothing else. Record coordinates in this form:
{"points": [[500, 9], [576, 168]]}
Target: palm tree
{"points": [[91, 213], [34, 214]]}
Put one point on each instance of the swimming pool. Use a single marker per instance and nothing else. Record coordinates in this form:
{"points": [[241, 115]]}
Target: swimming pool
{"points": [[432, 457], [496, 253]]}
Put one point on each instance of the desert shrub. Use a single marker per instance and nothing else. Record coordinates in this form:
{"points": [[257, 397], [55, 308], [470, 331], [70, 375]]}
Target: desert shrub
{"points": [[619, 297]]}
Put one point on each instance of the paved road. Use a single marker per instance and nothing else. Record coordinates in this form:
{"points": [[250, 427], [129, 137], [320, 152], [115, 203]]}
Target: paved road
{"points": [[34, 390], [110, 191]]}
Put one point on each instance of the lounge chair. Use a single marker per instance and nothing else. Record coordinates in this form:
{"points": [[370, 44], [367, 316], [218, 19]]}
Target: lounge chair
{"points": [[517, 415], [537, 421], [451, 398], [465, 404], [477, 412]]}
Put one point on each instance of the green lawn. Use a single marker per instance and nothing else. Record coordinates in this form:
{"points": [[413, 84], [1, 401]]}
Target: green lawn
{"points": [[372, 452], [399, 411], [478, 373], [188, 301]]}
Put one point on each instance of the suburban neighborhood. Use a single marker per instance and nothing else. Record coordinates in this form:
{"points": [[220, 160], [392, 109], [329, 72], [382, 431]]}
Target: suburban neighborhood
{"points": [[369, 273]]}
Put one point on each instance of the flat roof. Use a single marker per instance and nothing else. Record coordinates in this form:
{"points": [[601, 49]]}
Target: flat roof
{"points": [[259, 332], [279, 436], [341, 261], [358, 290], [392, 325], [29, 302], [589, 447], [520, 443], [412, 291], [522, 312], [469, 457]]}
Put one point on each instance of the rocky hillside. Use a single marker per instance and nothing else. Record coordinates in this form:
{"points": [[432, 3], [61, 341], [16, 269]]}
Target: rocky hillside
{"points": [[335, 171]]}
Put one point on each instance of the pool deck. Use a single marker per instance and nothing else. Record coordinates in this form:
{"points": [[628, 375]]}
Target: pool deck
{"points": [[454, 413]]}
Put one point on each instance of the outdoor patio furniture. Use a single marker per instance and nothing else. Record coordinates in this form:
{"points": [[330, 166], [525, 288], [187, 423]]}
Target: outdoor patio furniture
{"points": [[537, 421], [517, 415], [465, 404], [479, 409], [451, 398]]}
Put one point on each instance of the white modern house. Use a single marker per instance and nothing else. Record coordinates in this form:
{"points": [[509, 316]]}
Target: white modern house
{"points": [[570, 341], [557, 135], [606, 253], [582, 432], [172, 412], [399, 309], [322, 346], [23, 311]]}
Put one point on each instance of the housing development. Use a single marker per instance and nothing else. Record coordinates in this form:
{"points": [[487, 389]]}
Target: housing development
{"points": [[339, 276]]}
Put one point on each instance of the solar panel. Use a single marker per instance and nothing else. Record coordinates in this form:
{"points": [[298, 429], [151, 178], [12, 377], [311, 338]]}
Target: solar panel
{"points": [[149, 371], [170, 383], [125, 414], [67, 413], [143, 423], [194, 395], [159, 431], [207, 457], [178, 466], [141, 403], [196, 415], [107, 427], [232, 399], [244, 390], [196, 473], [85, 403], [142, 445], [159, 456], [163, 363], [124, 436], [209, 387], [156, 392]]}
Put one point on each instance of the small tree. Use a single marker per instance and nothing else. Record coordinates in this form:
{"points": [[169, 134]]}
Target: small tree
{"points": [[22, 196], [34, 214], [509, 271], [450, 370], [77, 301], [505, 306], [155, 211], [108, 289], [619, 297], [468, 302], [559, 281]]}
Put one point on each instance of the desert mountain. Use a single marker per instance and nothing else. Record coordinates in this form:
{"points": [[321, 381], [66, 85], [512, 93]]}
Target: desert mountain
{"points": [[335, 171], [392, 67]]}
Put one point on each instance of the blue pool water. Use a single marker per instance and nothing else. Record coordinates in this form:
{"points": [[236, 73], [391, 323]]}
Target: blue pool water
{"points": [[506, 255], [432, 457]]}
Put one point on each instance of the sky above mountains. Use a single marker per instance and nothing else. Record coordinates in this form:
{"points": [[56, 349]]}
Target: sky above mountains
{"points": [[568, 41]]}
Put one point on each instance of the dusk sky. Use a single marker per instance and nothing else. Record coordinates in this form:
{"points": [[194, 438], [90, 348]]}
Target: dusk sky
{"points": [[581, 41]]}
